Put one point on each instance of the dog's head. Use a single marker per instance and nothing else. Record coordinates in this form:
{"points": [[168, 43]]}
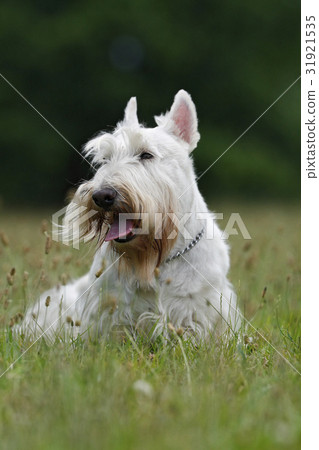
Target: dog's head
{"points": [[140, 175]]}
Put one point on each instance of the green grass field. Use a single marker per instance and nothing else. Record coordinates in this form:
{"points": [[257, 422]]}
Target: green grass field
{"points": [[98, 395]]}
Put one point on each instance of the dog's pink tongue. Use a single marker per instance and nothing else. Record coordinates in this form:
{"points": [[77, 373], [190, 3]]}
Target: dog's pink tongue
{"points": [[119, 229]]}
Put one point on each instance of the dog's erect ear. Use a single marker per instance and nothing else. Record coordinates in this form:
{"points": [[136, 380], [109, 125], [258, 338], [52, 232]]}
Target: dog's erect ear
{"points": [[182, 119], [130, 114]]}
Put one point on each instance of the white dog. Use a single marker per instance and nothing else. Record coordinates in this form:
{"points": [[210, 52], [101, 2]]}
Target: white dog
{"points": [[161, 263]]}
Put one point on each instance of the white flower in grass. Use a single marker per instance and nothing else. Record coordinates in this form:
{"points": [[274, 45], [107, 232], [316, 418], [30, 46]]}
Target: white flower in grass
{"points": [[143, 387]]}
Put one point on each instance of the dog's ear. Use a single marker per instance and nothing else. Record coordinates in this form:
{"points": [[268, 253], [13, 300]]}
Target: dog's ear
{"points": [[182, 119], [130, 114]]}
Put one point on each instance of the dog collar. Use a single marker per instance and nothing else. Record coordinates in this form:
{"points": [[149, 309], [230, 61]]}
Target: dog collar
{"points": [[195, 241]]}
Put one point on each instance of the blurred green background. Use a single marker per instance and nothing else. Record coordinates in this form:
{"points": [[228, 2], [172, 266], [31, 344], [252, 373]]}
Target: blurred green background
{"points": [[78, 62]]}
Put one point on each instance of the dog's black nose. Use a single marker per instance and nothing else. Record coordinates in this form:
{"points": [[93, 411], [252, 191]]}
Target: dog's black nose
{"points": [[104, 198]]}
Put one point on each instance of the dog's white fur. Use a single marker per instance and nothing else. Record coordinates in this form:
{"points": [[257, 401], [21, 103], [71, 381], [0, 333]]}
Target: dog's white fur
{"points": [[146, 293]]}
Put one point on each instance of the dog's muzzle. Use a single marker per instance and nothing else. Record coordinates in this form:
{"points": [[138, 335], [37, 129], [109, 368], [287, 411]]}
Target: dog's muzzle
{"points": [[120, 229]]}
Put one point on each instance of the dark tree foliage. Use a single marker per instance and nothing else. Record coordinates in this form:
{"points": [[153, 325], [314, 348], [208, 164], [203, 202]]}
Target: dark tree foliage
{"points": [[78, 62]]}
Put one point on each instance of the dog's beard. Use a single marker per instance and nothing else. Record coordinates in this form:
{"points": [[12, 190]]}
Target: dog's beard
{"points": [[142, 255], [141, 250]]}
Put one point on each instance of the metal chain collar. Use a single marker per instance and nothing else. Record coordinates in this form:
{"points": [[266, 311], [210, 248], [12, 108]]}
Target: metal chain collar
{"points": [[195, 241]]}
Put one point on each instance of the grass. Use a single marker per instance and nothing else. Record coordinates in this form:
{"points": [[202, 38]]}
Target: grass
{"points": [[128, 395]]}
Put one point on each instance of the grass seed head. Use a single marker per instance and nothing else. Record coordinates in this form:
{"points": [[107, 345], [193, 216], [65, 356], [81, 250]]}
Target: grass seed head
{"points": [[10, 279], [64, 279], [15, 319], [4, 239], [111, 303], [42, 276], [69, 321], [47, 301], [67, 259], [55, 261], [48, 245], [100, 271], [44, 226], [251, 261], [247, 246]]}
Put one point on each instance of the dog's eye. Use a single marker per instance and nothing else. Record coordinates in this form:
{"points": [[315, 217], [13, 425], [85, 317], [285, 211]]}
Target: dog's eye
{"points": [[146, 155]]}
